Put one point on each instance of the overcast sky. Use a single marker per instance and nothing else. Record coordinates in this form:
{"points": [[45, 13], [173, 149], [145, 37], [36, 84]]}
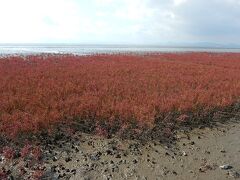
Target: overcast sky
{"points": [[120, 21]]}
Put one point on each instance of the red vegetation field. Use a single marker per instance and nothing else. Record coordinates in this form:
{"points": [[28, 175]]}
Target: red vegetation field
{"points": [[40, 92]]}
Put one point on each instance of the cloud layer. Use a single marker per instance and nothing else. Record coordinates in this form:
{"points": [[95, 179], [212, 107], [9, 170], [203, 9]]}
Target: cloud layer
{"points": [[119, 21]]}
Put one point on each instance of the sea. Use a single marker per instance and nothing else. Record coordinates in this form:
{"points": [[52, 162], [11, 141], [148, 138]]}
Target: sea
{"points": [[83, 49]]}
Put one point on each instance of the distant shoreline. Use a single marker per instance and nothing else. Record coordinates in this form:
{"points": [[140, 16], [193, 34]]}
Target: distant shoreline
{"points": [[81, 49]]}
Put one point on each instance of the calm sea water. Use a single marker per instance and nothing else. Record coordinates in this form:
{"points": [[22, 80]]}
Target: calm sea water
{"points": [[92, 49]]}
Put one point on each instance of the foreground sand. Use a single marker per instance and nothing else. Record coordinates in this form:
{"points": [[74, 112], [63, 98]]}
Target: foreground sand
{"points": [[195, 155]]}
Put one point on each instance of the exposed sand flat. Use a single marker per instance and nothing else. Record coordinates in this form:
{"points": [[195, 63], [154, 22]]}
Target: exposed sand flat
{"points": [[197, 156]]}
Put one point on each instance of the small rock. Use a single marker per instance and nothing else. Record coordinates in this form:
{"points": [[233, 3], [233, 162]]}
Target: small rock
{"points": [[184, 153], [111, 162], [2, 158], [115, 168], [223, 151], [118, 156], [135, 161], [207, 152], [166, 147], [26, 165], [206, 167], [73, 171], [62, 175], [109, 152], [153, 162], [76, 149], [105, 170], [68, 159], [167, 154], [226, 167], [54, 158]]}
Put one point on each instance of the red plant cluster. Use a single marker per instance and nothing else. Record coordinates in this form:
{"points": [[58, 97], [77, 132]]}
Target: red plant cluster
{"points": [[38, 92], [27, 151]]}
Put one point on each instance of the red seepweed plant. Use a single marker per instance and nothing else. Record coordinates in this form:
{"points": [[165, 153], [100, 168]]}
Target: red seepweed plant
{"points": [[41, 92]]}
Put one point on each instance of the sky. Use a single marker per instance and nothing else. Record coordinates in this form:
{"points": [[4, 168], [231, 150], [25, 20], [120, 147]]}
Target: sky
{"points": [[120, 21]]}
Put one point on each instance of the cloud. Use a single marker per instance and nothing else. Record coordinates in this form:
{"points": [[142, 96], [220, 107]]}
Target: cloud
{"points": [[179, 2], [120, 21], [216, 21], [29, 20]]}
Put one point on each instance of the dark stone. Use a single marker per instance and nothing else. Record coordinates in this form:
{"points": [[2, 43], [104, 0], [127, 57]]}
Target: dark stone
{"points": [[76, 150], [26, 165], [135, 161], [54, 158], [68, 159], [120, 162], [109, 152], [74, 171], [118, 156], [174, 172]]}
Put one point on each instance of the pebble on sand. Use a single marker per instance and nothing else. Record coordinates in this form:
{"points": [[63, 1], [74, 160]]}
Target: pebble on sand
{"points": [[226, 167]]}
